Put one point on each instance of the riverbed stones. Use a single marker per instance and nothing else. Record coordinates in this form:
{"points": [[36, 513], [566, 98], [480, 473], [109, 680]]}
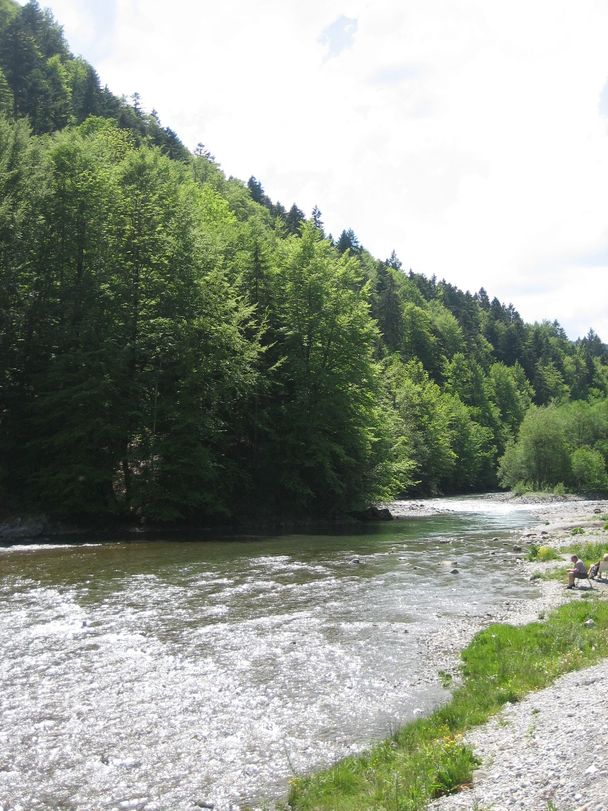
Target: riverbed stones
{"points": [[559, 762], [551, 738], [136, 804]]}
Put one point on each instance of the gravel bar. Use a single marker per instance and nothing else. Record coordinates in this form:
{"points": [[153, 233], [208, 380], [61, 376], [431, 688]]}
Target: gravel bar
{"points": [[548, 752]]}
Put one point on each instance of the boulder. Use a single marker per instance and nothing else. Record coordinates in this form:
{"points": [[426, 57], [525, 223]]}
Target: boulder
{"points": [[374, 514]]}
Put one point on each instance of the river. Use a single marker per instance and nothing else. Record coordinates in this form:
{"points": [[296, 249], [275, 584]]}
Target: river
{"points": [[153, 675]]}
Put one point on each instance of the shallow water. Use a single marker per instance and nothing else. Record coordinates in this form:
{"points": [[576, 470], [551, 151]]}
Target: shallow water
{"points": [[152, 675]]}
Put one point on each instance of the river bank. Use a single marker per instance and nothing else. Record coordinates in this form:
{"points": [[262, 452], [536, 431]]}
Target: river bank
{"points": [[556, 518], [557, 765], [41, 529], [256, 658], [550, 750]]}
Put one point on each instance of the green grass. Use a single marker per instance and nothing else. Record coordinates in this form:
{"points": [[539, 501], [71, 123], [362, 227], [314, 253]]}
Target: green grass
{"points": [[556, 574], [427, 758], [589, 552], [543, 553]]}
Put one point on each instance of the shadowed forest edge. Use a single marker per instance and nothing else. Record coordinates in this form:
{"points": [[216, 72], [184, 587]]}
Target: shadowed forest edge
{"points": [[175, 346]]}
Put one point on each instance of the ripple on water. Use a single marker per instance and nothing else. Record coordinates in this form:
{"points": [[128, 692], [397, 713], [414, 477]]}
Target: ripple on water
{"points": [[211, 671]]}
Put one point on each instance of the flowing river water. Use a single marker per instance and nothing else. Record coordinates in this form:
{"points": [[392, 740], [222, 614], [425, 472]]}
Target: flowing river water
{"points": [[155, 675]]}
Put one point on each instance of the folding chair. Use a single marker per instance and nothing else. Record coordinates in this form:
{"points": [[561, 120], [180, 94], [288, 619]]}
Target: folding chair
{"points": [[580, 577]]}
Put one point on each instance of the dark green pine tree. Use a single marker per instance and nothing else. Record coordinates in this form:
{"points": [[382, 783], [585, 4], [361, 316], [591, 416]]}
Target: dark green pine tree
{"points": [[393, 261], [32, 57], [295, 219], [317, 220], [23, 190], [85, 90], [387, 308], [256, 190], [347, 241], [6, 97]]}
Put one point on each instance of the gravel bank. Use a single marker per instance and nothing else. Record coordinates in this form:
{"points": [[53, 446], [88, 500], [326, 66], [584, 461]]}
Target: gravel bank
{"points": [[549, 752], [441, 648]]}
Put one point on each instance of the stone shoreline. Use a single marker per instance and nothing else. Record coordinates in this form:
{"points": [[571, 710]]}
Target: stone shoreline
{"points": [[441, 648], [549, 752]]}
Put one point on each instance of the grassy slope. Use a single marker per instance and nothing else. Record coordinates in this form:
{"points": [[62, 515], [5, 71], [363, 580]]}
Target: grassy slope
{"points": [[427, 758]]}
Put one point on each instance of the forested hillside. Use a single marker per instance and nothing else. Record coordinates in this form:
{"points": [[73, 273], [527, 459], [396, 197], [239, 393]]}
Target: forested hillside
{"points": [[175, 346]]}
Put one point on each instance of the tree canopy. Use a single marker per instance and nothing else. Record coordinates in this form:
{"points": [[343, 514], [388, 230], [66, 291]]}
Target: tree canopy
{"points": [[175, 346]]}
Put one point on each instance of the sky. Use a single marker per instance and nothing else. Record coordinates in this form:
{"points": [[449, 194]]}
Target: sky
{"points": [[470, 136]]}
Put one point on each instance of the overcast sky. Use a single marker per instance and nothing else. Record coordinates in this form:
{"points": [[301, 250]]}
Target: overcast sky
{"points": [[471, 136]]}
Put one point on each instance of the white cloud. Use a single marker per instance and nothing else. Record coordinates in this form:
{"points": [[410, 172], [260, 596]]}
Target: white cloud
{"points": [[467, 135]]}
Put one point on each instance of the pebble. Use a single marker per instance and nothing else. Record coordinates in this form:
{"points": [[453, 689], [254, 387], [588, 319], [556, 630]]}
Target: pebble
{"points": [[557, 763], [553, 739]]}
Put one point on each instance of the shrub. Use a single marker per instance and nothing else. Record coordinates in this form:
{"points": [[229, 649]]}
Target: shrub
{"points": [[542, 553], [588, 469], [520, 488], [547, 553]]}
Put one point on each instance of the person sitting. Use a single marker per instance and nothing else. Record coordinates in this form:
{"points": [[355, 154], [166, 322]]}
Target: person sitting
{"points": [[597, 569], [577, 572]]}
